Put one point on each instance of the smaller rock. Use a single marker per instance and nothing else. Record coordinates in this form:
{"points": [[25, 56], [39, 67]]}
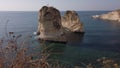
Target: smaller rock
{"points": [[71, 22]]}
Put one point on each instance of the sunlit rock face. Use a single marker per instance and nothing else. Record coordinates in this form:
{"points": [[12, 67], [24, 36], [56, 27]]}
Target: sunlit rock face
{"points": [[111, 16], [71, 22], [50, 26]]}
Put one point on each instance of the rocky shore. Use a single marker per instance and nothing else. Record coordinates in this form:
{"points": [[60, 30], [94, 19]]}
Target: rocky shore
{"points": [[111, 16]]}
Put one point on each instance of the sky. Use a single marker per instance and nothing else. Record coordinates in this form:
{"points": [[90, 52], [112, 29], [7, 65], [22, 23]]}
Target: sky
{"points": [[63, 5]]}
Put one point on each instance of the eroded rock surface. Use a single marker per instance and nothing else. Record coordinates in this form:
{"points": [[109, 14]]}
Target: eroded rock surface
{"points": [[50, 24], [71, 21]]}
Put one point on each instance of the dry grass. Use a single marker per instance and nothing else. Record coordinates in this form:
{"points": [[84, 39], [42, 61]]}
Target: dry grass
{"points": [[13, 55]]}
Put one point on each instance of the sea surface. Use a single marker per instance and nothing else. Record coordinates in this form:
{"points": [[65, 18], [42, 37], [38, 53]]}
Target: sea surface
{"points": [[101, 38]]}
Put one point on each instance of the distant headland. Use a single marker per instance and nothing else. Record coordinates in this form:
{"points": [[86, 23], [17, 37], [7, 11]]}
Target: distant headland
{"points": [[111, 16]]}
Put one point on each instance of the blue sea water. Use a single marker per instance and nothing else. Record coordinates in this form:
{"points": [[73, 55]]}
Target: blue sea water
{"points": [[18, 22], [101, 38]]}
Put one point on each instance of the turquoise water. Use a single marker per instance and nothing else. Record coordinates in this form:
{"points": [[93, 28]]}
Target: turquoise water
{"points": [[101, 39]]}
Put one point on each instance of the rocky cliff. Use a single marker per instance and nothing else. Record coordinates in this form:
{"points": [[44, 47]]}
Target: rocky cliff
{"points": [[71, 21], [52, 28], [111, 16], [49, 26]]}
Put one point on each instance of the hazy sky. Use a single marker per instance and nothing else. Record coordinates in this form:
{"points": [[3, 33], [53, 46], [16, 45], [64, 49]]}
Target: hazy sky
{"points": [[82, 5]]}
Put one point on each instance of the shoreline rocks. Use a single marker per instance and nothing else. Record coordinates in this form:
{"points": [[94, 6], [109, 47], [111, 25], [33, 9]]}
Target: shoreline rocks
{"points": [[111, 16], [52, 28]]}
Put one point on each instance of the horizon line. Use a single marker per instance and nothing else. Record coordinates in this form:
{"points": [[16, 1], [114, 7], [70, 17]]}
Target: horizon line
{"points": [[38, 10]]}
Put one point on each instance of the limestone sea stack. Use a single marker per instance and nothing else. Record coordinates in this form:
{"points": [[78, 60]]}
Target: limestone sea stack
{"points": [[71, 21], [50, 26], [111, 16]]}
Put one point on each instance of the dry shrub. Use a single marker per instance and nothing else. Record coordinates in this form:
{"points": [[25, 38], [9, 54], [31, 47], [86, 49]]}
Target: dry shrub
{"points": [[108, 63], [23, 61], [1, 63], [13, 55]]}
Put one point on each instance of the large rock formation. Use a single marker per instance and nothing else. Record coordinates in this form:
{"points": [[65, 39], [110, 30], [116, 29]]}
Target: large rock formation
{"points": [[50, 27], [71, 21], [111, 16], [50, 24]]}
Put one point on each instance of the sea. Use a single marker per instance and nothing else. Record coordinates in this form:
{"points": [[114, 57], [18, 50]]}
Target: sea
{"points": [[101, 38]]}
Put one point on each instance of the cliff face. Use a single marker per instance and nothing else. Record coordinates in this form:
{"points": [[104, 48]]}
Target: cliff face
{"points": [[111, 16], [71, 21], [52, 28]]}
